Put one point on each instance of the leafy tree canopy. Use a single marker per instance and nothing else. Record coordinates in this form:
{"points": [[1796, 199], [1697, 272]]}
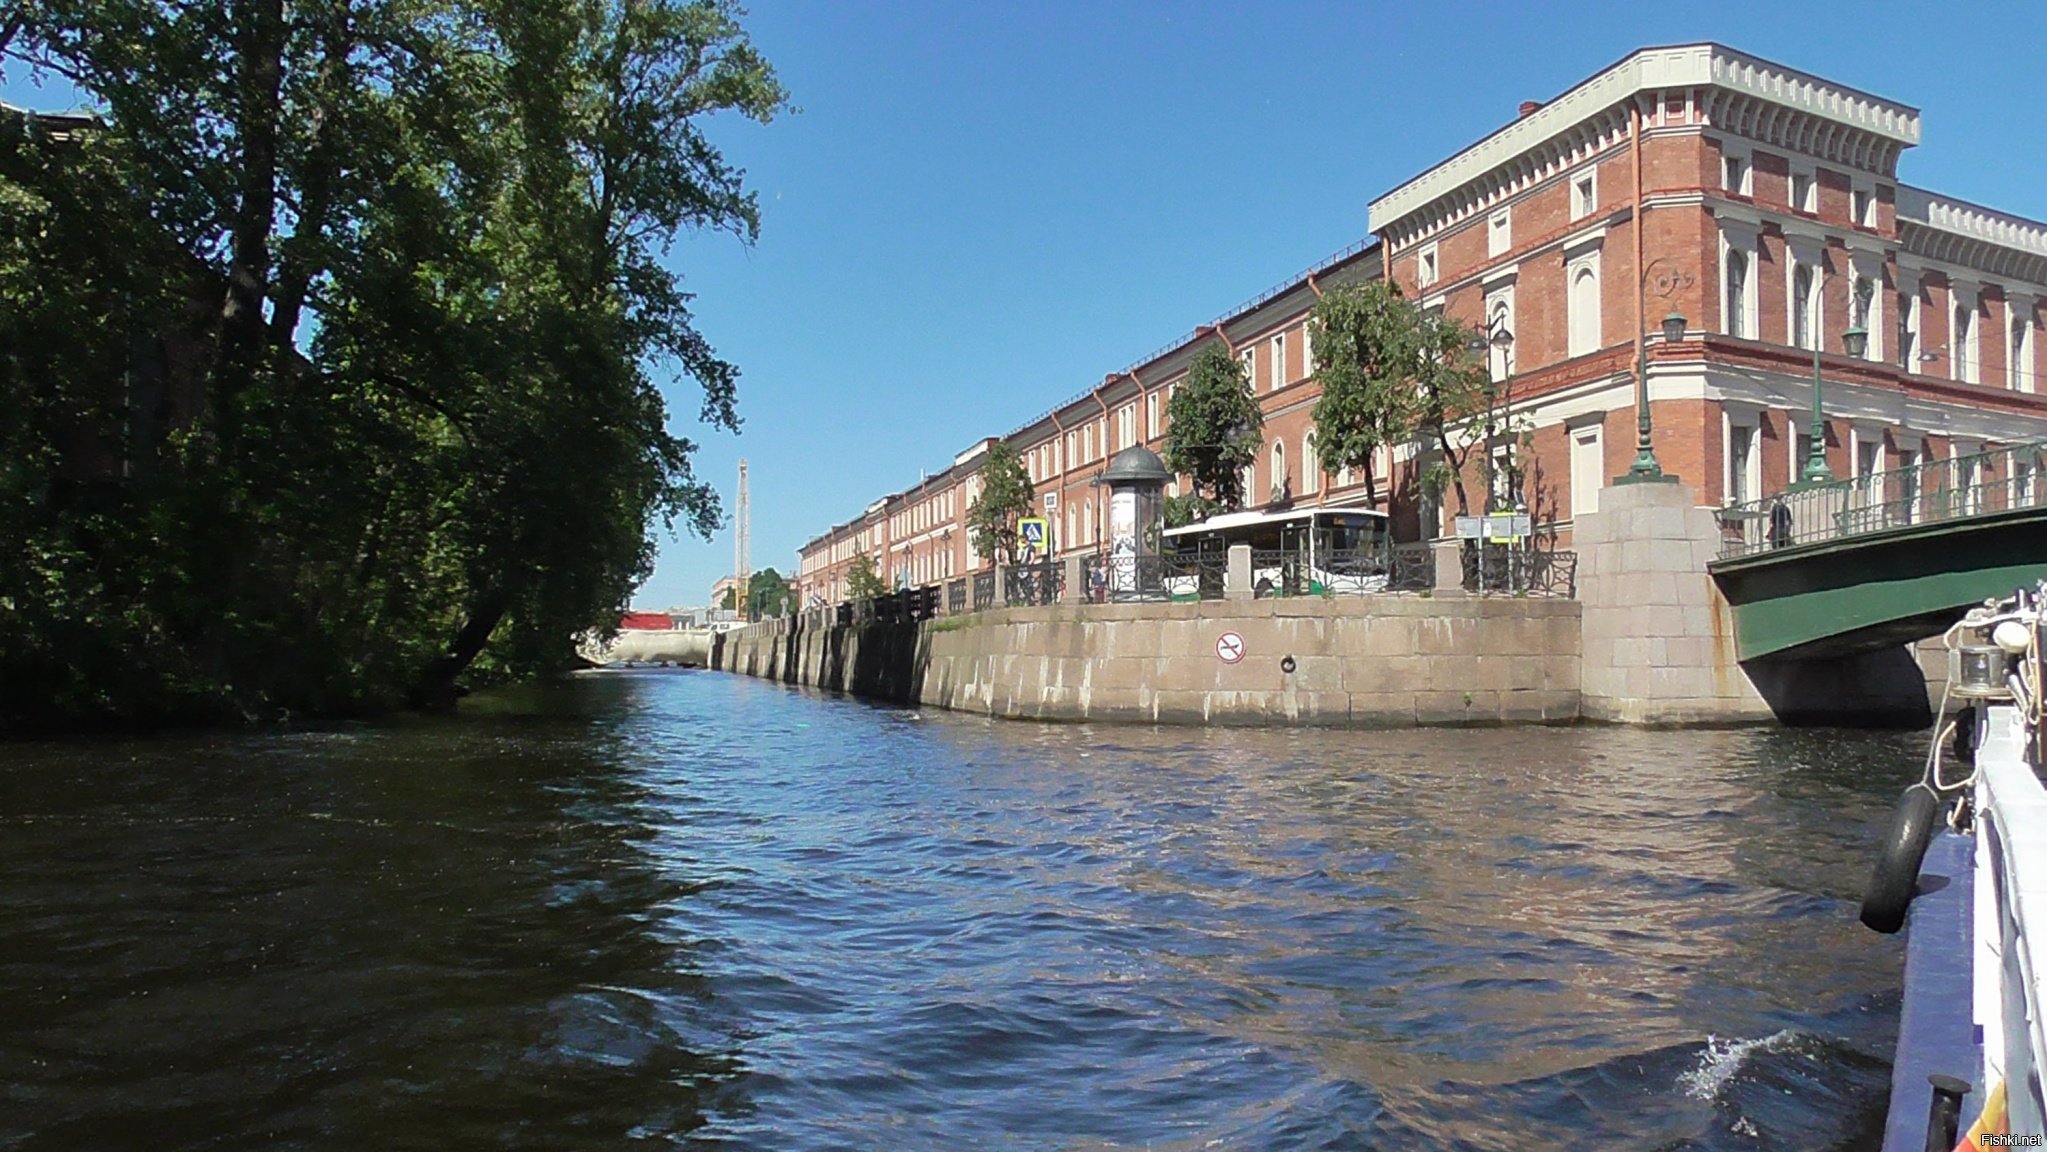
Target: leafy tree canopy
{"points": [[1392, 373], [1005, 497], [352, 382], [1215, 427], [862, 581]]}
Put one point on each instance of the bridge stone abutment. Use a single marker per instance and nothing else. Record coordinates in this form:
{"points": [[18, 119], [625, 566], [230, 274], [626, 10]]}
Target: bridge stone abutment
{"points": [[1659, 645]]}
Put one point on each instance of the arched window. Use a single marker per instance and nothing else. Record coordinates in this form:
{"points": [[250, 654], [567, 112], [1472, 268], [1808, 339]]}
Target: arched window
{"points": [[1501, 353], [1250, 483], [1801, 307], [1279, 476], [1963, 351], [1584, 310], [1737, 293], [1311, 465]]}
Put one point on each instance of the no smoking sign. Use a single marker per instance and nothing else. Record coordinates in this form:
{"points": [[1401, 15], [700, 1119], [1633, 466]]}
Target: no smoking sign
{"points": [[1229, 648]]}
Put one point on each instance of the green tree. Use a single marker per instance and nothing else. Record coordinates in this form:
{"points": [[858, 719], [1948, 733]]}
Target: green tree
{"points": [[862, 581], [770, 594], [1188, 508], [1392, 373], [1215, 428], [1005, 497], [391, 411]]}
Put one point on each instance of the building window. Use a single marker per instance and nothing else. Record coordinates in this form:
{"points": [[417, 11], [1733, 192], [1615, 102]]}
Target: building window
{"points": [[1279, 476], [1962, 347], [1584, 306], [1250, 362], [1801, 307], [1425, 267], [1499, 233], [1734, 174], [2020, 361], [1737, 292], [1743, 465], [1908, 330], [1584, 196], [1278, 361], [1588, 469], [1500, 318], [1311, 465], [1802, 192], [1151, 416], [1250, 483], [1861, 205], [1869, 464]]}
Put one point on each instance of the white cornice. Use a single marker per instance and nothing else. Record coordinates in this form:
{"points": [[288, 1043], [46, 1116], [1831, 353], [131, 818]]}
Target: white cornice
{"points": [[1745, 80], [1956, 232]]}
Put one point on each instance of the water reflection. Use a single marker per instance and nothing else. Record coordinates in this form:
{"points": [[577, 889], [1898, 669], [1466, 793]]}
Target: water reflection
{"points": [[695, 910]]}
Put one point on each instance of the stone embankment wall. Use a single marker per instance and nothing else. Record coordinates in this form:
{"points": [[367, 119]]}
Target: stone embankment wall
{"points": [[1377, 661]]}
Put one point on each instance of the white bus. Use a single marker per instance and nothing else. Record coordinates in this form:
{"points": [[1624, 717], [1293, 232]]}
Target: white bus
{"points": [[1307, 551]]}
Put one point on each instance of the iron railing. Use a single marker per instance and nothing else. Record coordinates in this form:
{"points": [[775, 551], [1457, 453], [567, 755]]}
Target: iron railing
{"points": [[1977, 484], [984, 591], [1411, 568], [1502, 569], [1029, 585], [1128, 579], [956, 597]]}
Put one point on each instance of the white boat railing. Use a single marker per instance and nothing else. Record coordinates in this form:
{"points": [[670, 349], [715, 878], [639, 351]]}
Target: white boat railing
{"points": [[2011, 914]]}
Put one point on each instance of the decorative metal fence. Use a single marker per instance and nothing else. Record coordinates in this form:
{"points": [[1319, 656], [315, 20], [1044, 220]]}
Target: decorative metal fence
{"points": [[1412, 568], [956, 597], [1029, 585], [1504, 569], [984, 591], [2003, 480], [1138, 579]]}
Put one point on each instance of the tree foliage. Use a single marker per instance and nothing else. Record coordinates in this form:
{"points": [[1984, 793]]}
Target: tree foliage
{"points": [[1392, 373], [1005, 498], [862, 581], [1215, 428], [769, 594], [352, 385]]}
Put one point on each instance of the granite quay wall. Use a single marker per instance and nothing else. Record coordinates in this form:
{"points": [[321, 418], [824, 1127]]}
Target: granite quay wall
{"points": [[1659, 637], [1375, 661]]}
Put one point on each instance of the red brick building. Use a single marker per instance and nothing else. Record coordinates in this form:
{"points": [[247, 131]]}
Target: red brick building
{"points": [[1760, 203]]}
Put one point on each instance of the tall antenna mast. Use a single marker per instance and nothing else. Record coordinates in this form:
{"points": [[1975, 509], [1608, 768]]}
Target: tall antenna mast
{"points": [[742, 546]]}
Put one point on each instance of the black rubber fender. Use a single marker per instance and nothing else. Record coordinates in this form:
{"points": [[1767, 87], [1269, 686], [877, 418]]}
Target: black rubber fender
{"points": [[1896, 875]]}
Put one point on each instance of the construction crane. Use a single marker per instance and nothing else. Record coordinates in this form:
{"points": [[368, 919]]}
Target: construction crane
{"points": [[742, 548]]}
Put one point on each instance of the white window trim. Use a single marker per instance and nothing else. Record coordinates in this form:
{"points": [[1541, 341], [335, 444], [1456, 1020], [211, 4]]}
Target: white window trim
{"points": [[1801, 254], [1428, 267], [2018, 312], [1732, 150], [1810, 173], [1965, 364], [1752, 475], [1740, 239], [1583, 502], [1869, 266], [1586, 204], [1589, 262], [1278, 347], [1499, 232]]}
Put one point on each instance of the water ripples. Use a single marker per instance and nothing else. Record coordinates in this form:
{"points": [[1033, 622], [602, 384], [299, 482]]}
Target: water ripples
{"points": [[689, 910]]}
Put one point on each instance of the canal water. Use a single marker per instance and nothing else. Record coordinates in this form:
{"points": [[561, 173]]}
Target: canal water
{"points": [[671, 909]]}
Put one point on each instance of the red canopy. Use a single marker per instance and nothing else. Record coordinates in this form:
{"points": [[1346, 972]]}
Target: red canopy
{"points": [[645, 622]]}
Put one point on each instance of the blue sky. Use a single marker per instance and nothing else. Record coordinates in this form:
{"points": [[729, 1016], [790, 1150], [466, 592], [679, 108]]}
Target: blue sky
{"points": [[983, 208]]}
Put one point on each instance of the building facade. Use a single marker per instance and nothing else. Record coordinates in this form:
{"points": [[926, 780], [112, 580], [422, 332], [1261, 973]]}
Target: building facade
{"points": [[1760, 204]]}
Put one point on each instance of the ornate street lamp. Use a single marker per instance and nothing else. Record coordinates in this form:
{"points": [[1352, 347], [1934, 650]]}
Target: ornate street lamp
{"points": [[1645, 469], [1855, 341], [1503, 339]]}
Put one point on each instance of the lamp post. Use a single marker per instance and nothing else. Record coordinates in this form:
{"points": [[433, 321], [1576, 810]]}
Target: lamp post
{"points": [[1497, 336], [1645, 469], [1854, 341]]}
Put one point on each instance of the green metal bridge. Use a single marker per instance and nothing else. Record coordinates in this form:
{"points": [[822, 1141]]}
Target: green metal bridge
{"points": [[1848, 566]]}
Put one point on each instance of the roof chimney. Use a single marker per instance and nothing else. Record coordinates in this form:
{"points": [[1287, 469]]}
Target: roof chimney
{"points": [[1528, 106]]}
